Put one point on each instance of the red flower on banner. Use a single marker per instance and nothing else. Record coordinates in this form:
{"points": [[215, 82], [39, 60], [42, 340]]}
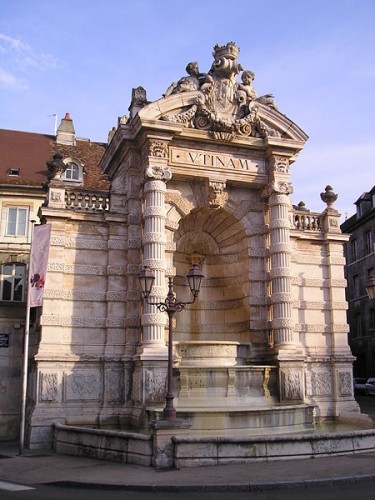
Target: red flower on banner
{"points": [[37, 280]]}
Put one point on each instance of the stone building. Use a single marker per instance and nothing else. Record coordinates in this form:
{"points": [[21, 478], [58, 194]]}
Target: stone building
{"points": [[23, 182], [202, 177], [360, 265]]}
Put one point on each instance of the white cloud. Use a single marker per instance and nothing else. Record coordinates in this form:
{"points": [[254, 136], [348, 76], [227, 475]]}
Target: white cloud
{"points": [[20, 56], [9, 80], [13, 43]]}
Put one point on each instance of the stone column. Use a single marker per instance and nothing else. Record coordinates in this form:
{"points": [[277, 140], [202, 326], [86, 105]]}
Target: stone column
{"points": [[337, 328], [285, 341], [281, 275], [154, 243], [134, 244]]}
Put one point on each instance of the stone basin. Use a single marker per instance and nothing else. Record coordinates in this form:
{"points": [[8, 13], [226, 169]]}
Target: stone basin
{"points": [[207, 353]]}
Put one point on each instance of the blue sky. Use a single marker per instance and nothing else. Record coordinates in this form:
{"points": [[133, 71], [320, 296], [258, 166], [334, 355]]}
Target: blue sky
{"points": [[317, 58]]}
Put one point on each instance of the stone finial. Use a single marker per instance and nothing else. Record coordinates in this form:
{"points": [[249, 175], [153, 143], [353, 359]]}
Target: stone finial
{"points": [[56, 167], [139, 100], [111, 133], [329, 197], [302, 206]]}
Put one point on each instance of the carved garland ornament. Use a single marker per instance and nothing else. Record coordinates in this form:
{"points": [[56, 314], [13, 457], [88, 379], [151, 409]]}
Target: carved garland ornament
{"points": [[291, 384], [319, 384], [84, 322], [48, 386]]}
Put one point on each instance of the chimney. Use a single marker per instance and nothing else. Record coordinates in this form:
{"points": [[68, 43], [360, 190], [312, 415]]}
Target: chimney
{"points": [[65, 132]]}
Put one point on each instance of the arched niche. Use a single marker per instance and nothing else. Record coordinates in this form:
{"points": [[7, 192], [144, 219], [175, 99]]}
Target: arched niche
{"points": [[217, 241]]}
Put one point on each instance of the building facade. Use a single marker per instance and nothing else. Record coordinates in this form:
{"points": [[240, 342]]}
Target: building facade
{"points": [[201, 176], [24, 176], [360, 265]]}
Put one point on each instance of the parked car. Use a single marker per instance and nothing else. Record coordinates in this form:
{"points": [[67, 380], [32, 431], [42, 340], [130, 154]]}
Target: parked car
{"points": [[360, 386], [370, 387]]}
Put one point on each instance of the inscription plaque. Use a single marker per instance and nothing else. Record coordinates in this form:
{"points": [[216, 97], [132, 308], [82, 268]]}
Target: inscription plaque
{"points": [[4, 339], [216, 161]]}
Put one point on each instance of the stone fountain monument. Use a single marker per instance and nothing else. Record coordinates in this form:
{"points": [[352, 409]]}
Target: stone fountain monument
{"points": [[203, 176]]}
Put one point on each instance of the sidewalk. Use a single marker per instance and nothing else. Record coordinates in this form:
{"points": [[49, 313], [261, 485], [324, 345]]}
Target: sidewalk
{"points": [[39, 467]]}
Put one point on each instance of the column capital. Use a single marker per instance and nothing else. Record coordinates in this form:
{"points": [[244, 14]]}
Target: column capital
{"points": [[158, 172], [279, 163], [277, 187]]}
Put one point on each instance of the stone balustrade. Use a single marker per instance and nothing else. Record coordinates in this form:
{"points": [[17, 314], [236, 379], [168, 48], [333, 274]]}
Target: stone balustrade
{"points": [[306, 220], [88, 201]]}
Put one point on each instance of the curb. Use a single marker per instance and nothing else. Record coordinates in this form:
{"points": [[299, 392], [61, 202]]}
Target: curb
{"points": [[247, 487]]}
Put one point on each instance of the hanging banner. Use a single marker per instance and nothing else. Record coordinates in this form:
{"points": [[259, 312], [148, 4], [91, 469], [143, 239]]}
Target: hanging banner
{"points": [[38, 263]]}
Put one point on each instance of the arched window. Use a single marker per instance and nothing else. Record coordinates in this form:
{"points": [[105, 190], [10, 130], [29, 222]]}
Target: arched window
{"points": [[74, 171], [12, 284]]}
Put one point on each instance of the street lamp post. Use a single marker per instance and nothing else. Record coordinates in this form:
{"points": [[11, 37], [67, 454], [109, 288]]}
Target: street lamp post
{"points": [[170, 305]]}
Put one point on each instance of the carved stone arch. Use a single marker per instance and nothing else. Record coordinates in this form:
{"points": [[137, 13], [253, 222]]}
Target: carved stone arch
{"points": [[197, 242], [182, 204], [232, 207], [175, 103], [181, 105], [281, 123], [173, 216], [229, 303]]}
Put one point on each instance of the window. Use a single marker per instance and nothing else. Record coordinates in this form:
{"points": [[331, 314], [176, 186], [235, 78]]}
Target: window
{"points": [[356, 285], [372, 319], [368, 242], [358, 325], [354, 249], [13, 282], [14, 172], [17, 221], [72, 172]]}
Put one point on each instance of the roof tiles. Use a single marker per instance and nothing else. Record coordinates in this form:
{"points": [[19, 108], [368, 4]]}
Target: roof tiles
{"points": [[29, 153]]}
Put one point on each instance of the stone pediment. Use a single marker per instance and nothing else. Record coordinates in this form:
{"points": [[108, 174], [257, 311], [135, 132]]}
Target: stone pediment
{"points": [[217, 103]]}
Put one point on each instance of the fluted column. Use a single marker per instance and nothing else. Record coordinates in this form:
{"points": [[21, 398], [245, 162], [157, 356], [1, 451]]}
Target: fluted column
{"points": [[281, 274], [277, 192], [289, 358], [154, 243]]}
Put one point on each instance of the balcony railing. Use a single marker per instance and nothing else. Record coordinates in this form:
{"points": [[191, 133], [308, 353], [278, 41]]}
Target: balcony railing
{"points": [[87, 201], [306, 220]]}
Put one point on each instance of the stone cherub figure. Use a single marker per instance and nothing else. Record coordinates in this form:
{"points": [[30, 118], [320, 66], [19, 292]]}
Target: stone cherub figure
{"points": [[186, 83], [245, 90], [247, 93]]}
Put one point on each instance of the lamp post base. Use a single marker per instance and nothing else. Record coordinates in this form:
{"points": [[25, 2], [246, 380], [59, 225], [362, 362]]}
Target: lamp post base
{"points": [[169, 412]]}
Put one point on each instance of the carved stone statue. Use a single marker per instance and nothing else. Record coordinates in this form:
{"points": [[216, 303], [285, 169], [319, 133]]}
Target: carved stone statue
{"points": [[247, 78], [186, 83], [223, 106]]}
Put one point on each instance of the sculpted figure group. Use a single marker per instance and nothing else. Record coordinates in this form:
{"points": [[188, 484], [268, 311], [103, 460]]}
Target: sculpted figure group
{"points": [[223, 104], [195, 80]]}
